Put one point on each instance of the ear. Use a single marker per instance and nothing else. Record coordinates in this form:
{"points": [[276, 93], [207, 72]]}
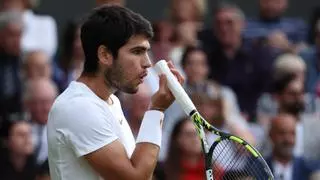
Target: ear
{"points": [[104, 55]]}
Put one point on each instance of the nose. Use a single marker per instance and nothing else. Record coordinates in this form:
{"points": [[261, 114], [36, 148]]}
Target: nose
{"points": [[146, 62]]}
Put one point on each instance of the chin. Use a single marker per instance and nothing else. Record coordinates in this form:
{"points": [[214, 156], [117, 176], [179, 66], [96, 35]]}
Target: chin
{"points": [[130, 90]]}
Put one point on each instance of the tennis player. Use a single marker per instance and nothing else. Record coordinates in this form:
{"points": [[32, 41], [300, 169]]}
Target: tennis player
{"points": [[88, 135]]}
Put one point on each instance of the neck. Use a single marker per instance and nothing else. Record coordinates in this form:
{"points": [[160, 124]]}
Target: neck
{"points": [[192, 82], [282, 160], [18, 161], [98, 85], [231, 50], [269, 18], [296, 115]]}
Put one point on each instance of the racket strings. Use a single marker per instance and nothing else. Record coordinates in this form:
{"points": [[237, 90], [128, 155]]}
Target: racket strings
{"points": [[233, 161]]}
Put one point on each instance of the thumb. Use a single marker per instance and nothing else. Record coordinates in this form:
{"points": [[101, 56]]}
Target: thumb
{"points": [[162, 82]]}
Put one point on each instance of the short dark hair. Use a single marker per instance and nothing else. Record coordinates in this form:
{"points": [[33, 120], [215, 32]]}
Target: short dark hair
{"points": [[112, 26], [282, 82], [228, 5], [188, 50]]}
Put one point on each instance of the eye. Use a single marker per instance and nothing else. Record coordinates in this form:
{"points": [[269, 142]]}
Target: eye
{"points": [[137, 51]]}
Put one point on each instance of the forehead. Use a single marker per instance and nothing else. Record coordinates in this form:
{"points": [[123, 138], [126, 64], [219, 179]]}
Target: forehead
{"points": [[138, 41], [196, 56], [285, 122], [18, 127]]}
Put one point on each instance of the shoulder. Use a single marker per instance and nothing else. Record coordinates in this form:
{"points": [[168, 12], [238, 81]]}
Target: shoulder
{"points": [[77, 112], [292, 20]]}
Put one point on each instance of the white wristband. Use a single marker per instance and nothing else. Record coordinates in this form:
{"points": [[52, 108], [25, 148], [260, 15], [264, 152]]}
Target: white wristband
{"points": [[150, 129]]}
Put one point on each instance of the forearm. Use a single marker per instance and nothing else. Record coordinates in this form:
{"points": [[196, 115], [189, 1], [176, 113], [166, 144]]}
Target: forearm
{"points": [[146, 153], [144, 160]]}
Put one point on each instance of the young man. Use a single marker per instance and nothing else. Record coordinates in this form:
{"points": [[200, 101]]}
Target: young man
{"points": [[88, 134]]}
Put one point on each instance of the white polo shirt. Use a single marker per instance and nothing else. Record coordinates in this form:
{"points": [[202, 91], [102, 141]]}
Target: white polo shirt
{"points": [[80, 123]]}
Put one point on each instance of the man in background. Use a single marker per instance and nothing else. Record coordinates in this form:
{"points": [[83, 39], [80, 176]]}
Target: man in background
{"points": [[283, 163], [39, 96], [10, 81], [285, 34], [39, 32]]}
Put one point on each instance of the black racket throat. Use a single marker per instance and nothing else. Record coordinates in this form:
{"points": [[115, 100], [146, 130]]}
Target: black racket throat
{"points": [[193, 112]]}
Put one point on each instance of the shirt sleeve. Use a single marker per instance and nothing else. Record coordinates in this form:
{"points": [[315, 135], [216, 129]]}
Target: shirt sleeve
{"points": [[90, 127]]}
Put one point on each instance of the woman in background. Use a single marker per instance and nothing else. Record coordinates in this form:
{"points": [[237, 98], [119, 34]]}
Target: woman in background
{"points": [[185, 159], [16, 160], [70, 63]]}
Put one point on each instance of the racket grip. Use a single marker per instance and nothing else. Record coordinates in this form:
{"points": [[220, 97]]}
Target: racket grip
{"points": [[161, 67]]}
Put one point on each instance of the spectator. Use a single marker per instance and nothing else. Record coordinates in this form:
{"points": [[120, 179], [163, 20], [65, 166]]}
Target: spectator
{"points": [[288, 91], [185, 34], [39, 33], [283, 162], [315, 16], [195, 65], [187, 11], [244, 68], [37, 64], [187, 16], [39, 96], [70, 64], [311, 57], [271, 25], [285, 65], [17, 161], [10, 81], [185, 159], [216, 111], [162, 40]]}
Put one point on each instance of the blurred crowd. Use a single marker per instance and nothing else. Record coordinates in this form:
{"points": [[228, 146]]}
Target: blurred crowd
{"points": [[255, 77]]}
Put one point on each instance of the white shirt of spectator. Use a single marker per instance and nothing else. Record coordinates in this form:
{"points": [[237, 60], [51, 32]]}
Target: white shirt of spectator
{"points": [[80, 123], [282, 172], [39, 138], [39, 33]]}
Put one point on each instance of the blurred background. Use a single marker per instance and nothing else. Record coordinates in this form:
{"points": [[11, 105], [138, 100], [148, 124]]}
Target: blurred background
{"points": [[251, 67]]}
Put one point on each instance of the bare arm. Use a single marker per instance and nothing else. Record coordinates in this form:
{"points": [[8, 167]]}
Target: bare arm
{"points": [[113, 163]]}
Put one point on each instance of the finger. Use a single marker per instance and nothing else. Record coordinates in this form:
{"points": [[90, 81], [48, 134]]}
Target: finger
{"points": [[178, 75], [170, 64], [162, 82]]}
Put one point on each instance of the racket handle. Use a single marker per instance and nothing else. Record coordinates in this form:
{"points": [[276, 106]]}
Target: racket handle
{"points": [[161, 67]]}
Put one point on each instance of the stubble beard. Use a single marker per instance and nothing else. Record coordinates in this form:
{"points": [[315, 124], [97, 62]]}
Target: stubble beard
{"points": [[114, 78]]}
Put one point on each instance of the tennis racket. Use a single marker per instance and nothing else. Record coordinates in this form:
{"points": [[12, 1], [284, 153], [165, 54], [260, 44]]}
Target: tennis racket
{"points": [[229, 157]]}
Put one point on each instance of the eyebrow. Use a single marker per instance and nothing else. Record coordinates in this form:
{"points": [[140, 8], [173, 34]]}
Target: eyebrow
{"points": [[144, 48]]}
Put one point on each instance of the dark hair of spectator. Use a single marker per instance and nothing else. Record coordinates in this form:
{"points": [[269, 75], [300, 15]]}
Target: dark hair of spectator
{"points": [[281, 83], [173, 161], [227, 5], [43, 169], [188, 50], [312, 25], [157, 28], [69, 36], [111, 26], [7, 126]]}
